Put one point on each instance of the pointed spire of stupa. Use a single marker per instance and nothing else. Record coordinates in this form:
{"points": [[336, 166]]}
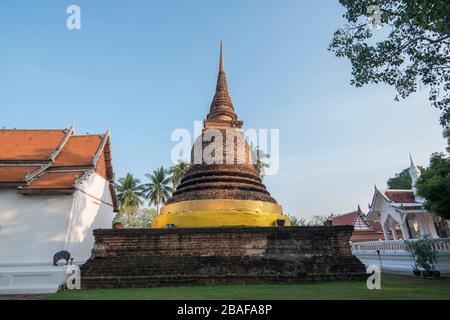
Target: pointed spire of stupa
{"points": [[221, 67], [414, 172], [221, 107]]}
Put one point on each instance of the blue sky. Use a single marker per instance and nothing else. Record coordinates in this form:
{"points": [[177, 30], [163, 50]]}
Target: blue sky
{"points": [[145, 68]]}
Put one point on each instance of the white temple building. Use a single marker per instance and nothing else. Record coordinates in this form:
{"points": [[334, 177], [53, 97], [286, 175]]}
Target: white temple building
{"points": [[55, 188], [402, 216], [403, 210]]}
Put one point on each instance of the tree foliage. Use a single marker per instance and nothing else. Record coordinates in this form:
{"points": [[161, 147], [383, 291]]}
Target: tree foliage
{"points": [[142, 218], [401, 180], [320, 220], [447, 137], [434, 185], [410, 51], [296, 221], [423, 254], [129, 190], [259, 158], [159, 189], [177, 172]]}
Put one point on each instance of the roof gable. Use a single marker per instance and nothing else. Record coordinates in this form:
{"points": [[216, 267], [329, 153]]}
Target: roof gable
{"points": [[355, 218]]}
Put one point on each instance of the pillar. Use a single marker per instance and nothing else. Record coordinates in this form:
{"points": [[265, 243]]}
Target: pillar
{"points": [[383, 226], [394, 232]]}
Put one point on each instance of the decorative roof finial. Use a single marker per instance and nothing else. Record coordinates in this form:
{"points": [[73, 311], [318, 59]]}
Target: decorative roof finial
{"points": [[411, 160], [414, 172]]}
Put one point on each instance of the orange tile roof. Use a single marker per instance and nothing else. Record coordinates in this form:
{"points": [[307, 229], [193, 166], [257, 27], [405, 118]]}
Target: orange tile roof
{"points": [[55, 180], [15, 174], [400, 196], [344, 219], [20, 145], [366, 235], [63, 155], [375, 225], [78, 151], [359, 235]]}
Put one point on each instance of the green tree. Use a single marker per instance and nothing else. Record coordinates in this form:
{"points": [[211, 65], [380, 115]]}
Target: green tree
{"points": [[129, 195], [129, 190], [434, 185], [411, 50], [259, 158], [401, 180], [447, 137], [127, 212], [423, 254], [295, 221], [158, 190], [141, 219], [177, 172], [320, 220]]}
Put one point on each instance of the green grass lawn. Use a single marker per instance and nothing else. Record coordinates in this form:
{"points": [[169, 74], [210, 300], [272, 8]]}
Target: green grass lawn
{"points": [[392, 287]]}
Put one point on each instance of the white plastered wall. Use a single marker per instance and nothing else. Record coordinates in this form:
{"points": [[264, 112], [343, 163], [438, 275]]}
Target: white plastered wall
{"points": [[34, 228], [92, 209]]}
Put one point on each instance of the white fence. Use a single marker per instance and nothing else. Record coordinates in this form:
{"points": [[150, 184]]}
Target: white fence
{"points": [[392, 254]]}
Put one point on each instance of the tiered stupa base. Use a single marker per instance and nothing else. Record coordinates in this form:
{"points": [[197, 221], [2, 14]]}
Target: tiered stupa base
{"points": [[159, 257]]}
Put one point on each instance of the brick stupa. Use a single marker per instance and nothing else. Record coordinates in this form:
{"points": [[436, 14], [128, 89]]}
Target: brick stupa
{"points": [[226, 190], [224, 230]]}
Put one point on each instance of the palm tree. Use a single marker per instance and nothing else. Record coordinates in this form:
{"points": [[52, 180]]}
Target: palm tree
{"points": [[158, 190], [258, 159], [129, 194], [177, 172]]}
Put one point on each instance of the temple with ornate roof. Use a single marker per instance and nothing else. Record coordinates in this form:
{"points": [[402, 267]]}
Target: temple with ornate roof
{"points": [[394, 215], [55, 188], [221, 186], [401, 213]]}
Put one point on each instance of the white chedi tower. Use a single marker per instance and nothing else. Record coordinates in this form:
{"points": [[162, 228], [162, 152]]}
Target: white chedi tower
{"points": [[414, 172]]}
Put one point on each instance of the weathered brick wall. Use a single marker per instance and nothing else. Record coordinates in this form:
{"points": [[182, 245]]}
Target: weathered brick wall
{"points": [[147, 257]]}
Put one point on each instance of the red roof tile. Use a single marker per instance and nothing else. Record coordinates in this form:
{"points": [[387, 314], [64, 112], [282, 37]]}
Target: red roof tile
{"points": [[15, 174], [38, 148], [358, 234], [55, 180], [344, 219], [366, 235], [400, 196], [78, 151], [375, 224], [21, 145]]}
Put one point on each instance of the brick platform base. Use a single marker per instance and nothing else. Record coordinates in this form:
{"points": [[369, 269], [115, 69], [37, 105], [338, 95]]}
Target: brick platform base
{"points": [[156, 257]]}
